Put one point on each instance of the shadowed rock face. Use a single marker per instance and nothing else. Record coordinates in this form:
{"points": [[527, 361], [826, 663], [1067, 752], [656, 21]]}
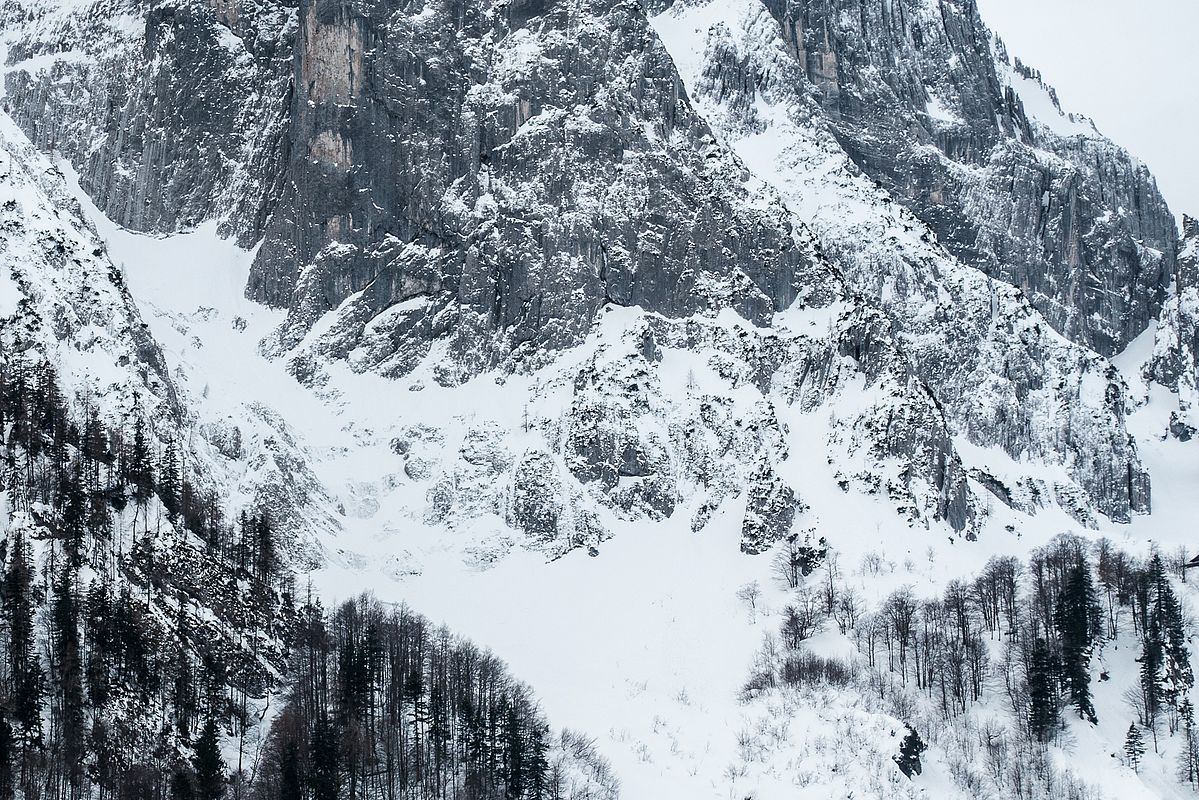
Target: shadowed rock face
{"points": [[170, 112], [476, 180], [927, 103], [1175, 361], [505, 169]]}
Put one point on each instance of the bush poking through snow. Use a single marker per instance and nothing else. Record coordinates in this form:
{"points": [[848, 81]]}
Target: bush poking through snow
{"points": [[801, 668], [909, 753]]}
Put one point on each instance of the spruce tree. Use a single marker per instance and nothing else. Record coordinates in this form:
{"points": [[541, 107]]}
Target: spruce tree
{"points": [[74, 514], [208, 764], [265, 556], [1134, 747], [1077, 617], [1152, 657], [909, 753], [138, 468], [539, 766], [1175, 676], [168, 484], [1042, 693], [514, 754]]}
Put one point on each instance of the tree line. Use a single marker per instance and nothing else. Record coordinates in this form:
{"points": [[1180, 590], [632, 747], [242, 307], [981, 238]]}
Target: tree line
{"points": [[383, 704], [143, 636], [1028, 630]]}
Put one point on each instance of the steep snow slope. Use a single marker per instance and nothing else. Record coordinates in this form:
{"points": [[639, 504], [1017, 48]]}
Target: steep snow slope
{"points": [[645, 645], [665, 445]]}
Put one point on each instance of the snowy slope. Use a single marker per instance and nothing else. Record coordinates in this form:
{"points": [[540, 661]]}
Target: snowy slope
{"points": [[645, 646], [409, 488]]}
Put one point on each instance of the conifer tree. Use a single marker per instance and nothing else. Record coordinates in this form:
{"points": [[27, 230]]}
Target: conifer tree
{"points": [[74, 513], [1077, 618], [909, 753], [1134, 747], [265, 556], [1152, 659], [208, 764], [1042, 693], [138, 469], [1175, 676], [539, 766], [168, 483], [514, 754]]}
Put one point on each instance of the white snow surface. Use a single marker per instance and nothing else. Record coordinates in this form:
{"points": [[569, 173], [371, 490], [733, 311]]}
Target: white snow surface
{"points": [[1041, 108], [645, 646]]}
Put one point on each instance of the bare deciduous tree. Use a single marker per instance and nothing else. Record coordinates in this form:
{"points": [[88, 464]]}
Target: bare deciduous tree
{"points": [[750, 594], [801, 618]]}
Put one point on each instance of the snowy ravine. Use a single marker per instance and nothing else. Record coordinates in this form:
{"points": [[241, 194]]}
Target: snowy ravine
{"points": [[595, 515], [646, 645]]}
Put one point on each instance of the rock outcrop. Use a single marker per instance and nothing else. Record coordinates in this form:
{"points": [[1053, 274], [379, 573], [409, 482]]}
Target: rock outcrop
{"points": [[470, 185], [928, 103], [1175, 360]]}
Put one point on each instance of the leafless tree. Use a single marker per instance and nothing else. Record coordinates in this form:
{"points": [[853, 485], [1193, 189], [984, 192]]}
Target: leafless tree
{"points": [[750, 594], [801, 618], [848, 609]]}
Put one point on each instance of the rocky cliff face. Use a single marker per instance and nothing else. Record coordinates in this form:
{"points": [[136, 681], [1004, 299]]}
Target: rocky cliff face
{"points": [[63, 303], [172, 113], [1003, 376], [490, 175], [1175, 359], [925, 101], [465, 186]]}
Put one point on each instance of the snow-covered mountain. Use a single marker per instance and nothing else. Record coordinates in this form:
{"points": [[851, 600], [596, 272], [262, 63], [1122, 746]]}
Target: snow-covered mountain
{"points": [[562, 321]]}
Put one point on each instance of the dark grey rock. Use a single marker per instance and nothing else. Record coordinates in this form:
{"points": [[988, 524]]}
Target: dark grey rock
{"points": [[770, 509], [1084, 232]]}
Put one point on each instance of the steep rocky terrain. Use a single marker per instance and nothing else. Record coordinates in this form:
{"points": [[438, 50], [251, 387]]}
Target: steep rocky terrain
{"points": [[451, 287], [925, 101], [474, 199], [1176, 347]]}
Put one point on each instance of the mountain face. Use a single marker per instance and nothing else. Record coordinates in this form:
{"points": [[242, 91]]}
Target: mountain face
{"points": [[477, 197], [927, 103], [1176, 347], [1003, 376], [563, 279], [310, 126]]}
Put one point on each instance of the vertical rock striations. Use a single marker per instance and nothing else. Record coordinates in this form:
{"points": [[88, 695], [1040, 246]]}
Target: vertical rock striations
{"points": [[929, 104], [470, 184]]}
